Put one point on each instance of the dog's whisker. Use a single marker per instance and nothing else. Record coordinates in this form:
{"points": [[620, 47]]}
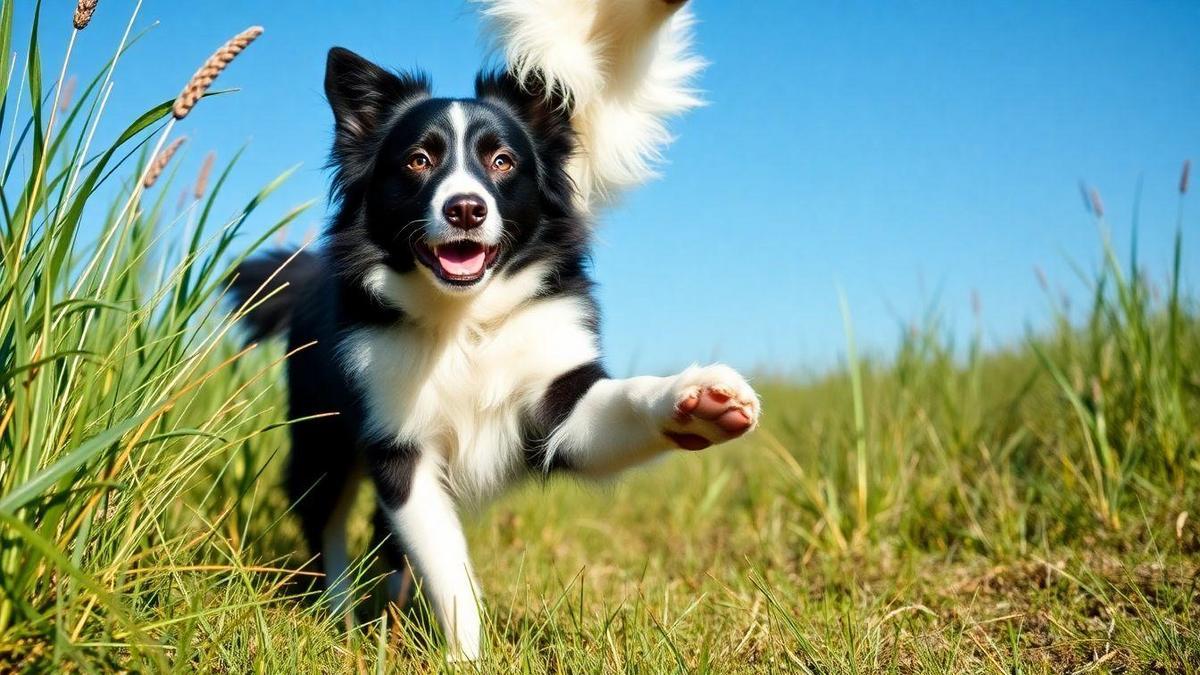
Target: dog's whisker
{"points": [[409, 227]]}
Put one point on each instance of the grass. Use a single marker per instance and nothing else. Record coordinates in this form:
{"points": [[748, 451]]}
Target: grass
{"points": [[941, 510]]}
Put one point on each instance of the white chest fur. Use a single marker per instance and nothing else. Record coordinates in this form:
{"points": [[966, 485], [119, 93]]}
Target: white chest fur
{"points": [[459, 386]]}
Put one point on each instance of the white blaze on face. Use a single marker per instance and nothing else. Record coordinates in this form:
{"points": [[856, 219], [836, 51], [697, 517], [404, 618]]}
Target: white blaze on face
{"points": [[460, 181]]}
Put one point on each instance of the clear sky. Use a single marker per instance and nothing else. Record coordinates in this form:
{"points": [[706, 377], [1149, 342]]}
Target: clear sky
{"points": [[906, 152]]}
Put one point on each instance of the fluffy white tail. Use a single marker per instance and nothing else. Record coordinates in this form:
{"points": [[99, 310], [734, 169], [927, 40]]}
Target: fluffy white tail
{"points": [[625, 66]]}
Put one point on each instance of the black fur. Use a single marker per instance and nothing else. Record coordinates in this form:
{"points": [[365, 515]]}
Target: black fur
{"points": [[268, 286], [378, 117], [559, 400], [392, 468]]}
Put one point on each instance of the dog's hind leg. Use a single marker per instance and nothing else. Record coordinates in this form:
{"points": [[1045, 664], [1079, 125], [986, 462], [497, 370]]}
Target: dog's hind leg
{"points": [[335, 553], [387, 545], [323, 493]]}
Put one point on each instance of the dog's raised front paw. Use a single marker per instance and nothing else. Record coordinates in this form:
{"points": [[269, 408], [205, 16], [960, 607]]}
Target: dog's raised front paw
{"points": [[710, 405]]}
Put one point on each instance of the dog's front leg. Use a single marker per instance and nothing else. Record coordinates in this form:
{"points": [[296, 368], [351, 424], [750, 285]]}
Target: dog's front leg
{"points": [[423, 516], [603, 425]]}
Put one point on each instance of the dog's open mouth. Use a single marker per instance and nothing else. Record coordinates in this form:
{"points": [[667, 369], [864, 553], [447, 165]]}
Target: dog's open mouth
{"points": [[458, 262]]}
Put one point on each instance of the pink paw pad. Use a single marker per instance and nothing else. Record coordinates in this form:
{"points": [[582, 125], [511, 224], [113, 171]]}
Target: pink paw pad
{"points": [[715, 405], [684, 409]]}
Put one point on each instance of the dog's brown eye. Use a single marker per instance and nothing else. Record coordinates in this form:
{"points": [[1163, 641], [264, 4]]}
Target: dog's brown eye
{"points": [[502, 163], [419, 161]]}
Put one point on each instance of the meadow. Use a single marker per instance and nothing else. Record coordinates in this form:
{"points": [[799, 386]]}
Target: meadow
{"points": [[941, 508]]}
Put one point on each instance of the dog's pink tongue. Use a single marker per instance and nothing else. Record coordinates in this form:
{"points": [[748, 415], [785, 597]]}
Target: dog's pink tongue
{"points": [[461, 260]]}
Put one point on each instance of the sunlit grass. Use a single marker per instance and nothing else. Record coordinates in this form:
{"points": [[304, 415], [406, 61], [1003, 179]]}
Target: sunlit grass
{"points": [[943, 510]]}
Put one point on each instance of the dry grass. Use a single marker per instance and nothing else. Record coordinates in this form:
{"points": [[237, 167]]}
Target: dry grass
{"points": [[940, 510]]}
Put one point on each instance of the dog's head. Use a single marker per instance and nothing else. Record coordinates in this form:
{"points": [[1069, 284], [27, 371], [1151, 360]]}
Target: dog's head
{"points": [[452, 190]]}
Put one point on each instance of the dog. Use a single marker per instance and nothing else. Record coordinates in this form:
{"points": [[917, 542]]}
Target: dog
{"points": [[448, 318]]}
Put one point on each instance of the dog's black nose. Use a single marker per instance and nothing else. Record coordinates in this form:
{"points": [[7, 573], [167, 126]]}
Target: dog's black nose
{"points": [[465, 211]]}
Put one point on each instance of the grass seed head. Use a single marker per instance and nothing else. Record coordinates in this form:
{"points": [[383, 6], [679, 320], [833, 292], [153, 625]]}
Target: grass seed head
{"points": [[202, 177], [1184, 175], [84, 9], [160, 163], [1096, 202], [1041, 278], [208, 72], [68, 94]]}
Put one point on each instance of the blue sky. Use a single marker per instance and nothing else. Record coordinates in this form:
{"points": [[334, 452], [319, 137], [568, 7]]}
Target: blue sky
{"points": [[905, 152]]}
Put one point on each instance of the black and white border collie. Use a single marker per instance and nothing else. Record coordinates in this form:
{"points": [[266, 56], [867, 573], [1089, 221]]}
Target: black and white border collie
{"points": [[448, 319]]}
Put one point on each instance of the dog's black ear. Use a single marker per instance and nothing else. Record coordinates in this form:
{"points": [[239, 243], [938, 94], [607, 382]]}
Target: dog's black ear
{"points": [[362, 95], [546, 112]]}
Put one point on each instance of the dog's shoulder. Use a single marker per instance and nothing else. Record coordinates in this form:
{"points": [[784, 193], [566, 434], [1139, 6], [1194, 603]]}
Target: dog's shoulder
{"points": [[461, 381]]}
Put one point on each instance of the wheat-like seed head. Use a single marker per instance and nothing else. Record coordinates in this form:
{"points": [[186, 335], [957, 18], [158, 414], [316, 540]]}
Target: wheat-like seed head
{"points": [[208, 72], [202, 177], [1097, 203], [160, 163], [84, 9], [1183, 176], [68, 94]]}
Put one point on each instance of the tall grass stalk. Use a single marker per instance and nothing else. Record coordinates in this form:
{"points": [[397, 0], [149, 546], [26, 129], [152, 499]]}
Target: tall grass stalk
{"points": [[860, 425], [111, 401]]}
